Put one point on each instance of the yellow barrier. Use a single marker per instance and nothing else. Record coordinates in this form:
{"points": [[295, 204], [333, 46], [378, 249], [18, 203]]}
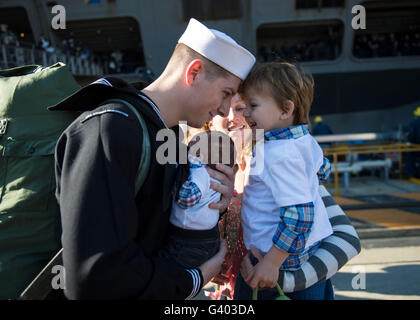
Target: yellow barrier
{"points": [[345, 149]]}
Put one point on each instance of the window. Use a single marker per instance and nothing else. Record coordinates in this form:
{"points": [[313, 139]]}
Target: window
{"points": [[292, 41], [212, 9], [113, 39], [393, 29], [15, 23]]}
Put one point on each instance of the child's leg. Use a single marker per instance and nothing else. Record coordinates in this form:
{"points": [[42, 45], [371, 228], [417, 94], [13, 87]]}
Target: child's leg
{"points": [[191, 248], [320, 291], [192, 254], [242, 291]]}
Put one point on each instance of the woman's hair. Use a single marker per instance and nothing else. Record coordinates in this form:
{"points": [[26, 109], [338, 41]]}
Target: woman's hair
{"points": [[184, 54], [207, 126], [283, 81]]}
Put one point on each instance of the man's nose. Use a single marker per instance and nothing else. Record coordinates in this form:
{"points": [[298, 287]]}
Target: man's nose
{"points": [[224, 109]]}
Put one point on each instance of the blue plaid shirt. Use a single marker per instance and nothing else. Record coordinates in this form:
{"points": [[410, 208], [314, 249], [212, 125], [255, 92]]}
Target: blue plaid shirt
{"points": [[189, 194], [297, 220]]}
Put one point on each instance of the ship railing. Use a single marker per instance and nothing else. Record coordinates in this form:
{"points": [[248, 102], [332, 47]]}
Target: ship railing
{"points": [[350, 150], [12, 56]]}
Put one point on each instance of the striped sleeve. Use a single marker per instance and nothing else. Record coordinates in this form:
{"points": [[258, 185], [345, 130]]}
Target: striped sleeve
{"points": [[197, 278], [325, 170], [333, 253]]}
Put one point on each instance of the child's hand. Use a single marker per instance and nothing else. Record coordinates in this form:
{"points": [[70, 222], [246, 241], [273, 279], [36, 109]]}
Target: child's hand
{"points": [[265, 275]]}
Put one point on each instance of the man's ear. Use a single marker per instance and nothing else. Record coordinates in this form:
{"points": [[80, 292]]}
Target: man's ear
{"points": [[192, 71], [287, 110]]}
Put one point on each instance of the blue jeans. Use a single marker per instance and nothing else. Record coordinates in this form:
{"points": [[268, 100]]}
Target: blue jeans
{"points": [[319, 291]]}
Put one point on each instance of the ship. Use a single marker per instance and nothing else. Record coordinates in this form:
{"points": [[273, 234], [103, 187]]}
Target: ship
{"points": [[366, 79]]}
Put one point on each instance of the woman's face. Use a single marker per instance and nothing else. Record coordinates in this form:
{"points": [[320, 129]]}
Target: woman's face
{"points": [[236, 119]]}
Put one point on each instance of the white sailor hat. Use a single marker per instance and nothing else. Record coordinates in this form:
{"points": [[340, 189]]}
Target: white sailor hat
{"points": [[219, 48]]}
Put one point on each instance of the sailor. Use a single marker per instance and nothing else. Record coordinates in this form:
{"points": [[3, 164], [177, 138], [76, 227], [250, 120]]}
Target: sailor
{"points": [[111, 238], [320, 128]]}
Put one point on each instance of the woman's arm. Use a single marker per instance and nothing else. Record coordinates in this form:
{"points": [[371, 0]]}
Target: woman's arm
{"points": [[341, 247], [334, 252]]}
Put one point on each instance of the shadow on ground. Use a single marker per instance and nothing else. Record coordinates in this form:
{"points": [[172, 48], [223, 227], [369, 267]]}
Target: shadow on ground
{"points": [[402, 280]]}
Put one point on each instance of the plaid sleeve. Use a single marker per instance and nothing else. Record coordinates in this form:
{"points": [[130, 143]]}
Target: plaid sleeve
{"points": [[189, 195], [294, 227], [325, 170]]}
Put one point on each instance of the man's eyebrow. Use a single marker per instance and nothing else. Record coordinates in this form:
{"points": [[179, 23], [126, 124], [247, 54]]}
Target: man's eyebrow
{"points": [[233, 91]]}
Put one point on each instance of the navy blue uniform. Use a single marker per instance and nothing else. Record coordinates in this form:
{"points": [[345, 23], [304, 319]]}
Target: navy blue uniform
{"points": [[321, 129], [112, 238]]}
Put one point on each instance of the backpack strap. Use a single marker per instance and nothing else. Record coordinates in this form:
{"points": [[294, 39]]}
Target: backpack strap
{"points": [[40, 288], [144, 163]]}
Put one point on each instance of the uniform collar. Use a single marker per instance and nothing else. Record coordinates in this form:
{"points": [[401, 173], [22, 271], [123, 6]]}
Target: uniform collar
{"points": [[293, 132], [155, 108], [93, 95]]}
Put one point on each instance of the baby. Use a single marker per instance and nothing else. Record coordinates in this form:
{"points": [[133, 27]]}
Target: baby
{"points": [[194, 235]]}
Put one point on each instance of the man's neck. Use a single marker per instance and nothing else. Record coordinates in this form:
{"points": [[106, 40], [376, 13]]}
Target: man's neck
{"points": [[166, 99]]}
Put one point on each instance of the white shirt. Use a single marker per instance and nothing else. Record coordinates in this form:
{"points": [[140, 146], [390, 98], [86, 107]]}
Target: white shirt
{"points": [[289, 177], [200, 216]]}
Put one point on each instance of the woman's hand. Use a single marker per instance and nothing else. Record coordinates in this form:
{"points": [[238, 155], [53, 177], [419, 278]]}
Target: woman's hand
{"points": [[226, 176]]}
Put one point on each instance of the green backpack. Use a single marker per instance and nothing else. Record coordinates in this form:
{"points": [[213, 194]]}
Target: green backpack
{"points": [[29, 219]]}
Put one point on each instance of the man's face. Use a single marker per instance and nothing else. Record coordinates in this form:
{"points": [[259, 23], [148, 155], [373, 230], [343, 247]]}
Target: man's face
{"points": [[211, 98]]}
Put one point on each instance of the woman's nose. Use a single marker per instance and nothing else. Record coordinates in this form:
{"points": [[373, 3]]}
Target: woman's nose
{"points": [[231, 115]]}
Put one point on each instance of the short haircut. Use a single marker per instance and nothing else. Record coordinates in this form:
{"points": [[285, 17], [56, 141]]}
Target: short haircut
{"points": [[215, 142], [283, 81], [184, 54]]}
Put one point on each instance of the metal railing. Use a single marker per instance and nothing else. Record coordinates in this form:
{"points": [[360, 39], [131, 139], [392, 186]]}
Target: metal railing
{"points": [[351, 137], [11, 56], [384, 148]]}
